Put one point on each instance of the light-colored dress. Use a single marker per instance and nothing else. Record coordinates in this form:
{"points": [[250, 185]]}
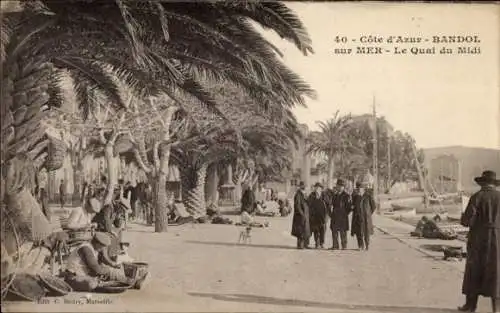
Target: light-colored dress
{"points": [[79, 218]]}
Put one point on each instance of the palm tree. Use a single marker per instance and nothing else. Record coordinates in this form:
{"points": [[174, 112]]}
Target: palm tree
{"points": [[247, 133], [332, 141], [155, 46]]}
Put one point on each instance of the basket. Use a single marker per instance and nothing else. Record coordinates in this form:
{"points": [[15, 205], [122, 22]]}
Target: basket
{"points": [[57, 153], [135, 269], [112, 287], [80, 234], [27, 288], [56, 286]]}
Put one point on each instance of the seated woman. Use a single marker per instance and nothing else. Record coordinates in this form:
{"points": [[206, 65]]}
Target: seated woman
{"points": [[83, 270], [81, 217], [178, 214]]}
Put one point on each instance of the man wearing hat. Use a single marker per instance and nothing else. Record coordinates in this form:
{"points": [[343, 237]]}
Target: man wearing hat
{"points": [[339, 223], [482, 269], [363, 207], [317, 217], [83, 269], [300, 225]]}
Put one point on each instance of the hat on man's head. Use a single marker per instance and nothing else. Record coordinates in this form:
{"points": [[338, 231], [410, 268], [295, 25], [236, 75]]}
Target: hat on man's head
{"points": [[318, 185], [102, 238], [302, 184], [340, 182], [488, 178]]}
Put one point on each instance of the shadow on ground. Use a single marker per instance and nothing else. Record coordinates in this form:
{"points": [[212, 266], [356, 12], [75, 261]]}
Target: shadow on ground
{"points": [[230, 244], [436, 247], [302, 303]]}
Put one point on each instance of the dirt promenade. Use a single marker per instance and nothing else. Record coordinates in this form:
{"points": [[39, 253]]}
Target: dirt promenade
{"points": [[202, 268]]}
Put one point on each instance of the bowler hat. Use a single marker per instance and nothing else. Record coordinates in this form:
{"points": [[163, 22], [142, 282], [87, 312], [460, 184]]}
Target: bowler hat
{"points": [[340, 182], [488, 177], [318, 185]]}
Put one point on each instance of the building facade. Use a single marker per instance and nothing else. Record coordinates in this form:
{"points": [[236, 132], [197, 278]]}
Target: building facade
{"points": [[452, 169]]}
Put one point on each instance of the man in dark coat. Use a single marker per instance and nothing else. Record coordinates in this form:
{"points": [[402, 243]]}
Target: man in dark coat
{"points": [[339, 223], [300, 225], [482, 270], [363, 206], [318, 211]]}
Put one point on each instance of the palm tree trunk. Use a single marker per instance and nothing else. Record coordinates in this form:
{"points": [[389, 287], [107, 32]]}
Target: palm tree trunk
{"points": [[160, 196], [193, 191], [211, 186], [111, 168], [331, 171]]}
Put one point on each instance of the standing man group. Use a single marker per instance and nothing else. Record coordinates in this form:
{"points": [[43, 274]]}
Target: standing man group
{"points": [[311, 213]]}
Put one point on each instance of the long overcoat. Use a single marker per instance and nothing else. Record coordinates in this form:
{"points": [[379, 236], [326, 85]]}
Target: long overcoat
{"points": [[340, 211], [363, 208], [482, 269], [318, 210], [300, 225]]}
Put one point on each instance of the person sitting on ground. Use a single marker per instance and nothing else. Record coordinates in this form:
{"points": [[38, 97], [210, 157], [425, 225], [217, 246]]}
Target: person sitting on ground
{"points": [[83, 269], [178, 214], [429, 229], [81, 217]]}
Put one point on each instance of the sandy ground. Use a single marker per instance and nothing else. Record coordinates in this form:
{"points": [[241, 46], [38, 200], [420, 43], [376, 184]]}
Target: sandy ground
{"points": [[202, 268]]}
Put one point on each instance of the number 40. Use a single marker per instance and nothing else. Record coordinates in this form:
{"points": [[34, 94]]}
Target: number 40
{"points": [[339, 39]]}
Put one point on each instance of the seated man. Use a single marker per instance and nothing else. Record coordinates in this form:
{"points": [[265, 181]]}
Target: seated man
{"points": [[84, 270], [109, 220]]}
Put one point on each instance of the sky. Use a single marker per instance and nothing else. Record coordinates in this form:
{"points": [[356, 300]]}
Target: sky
{"points": [[441, 100]]}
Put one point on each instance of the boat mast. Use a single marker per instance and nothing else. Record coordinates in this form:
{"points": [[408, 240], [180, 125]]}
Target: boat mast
{"points": [[375, 156]]}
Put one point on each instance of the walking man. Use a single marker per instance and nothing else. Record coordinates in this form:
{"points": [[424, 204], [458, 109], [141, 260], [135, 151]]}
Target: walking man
{"points": [[42, 190], [363, 207], [318, 212], [300, 225], [62, 193], [482, 269], [339, 223]]}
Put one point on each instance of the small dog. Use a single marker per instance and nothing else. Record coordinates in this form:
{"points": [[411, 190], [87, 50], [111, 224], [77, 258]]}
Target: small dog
{"points": [[246, 235]]}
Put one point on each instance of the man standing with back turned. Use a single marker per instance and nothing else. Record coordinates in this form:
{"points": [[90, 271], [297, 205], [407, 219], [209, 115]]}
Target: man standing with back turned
{"points": [[482, 216]]}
